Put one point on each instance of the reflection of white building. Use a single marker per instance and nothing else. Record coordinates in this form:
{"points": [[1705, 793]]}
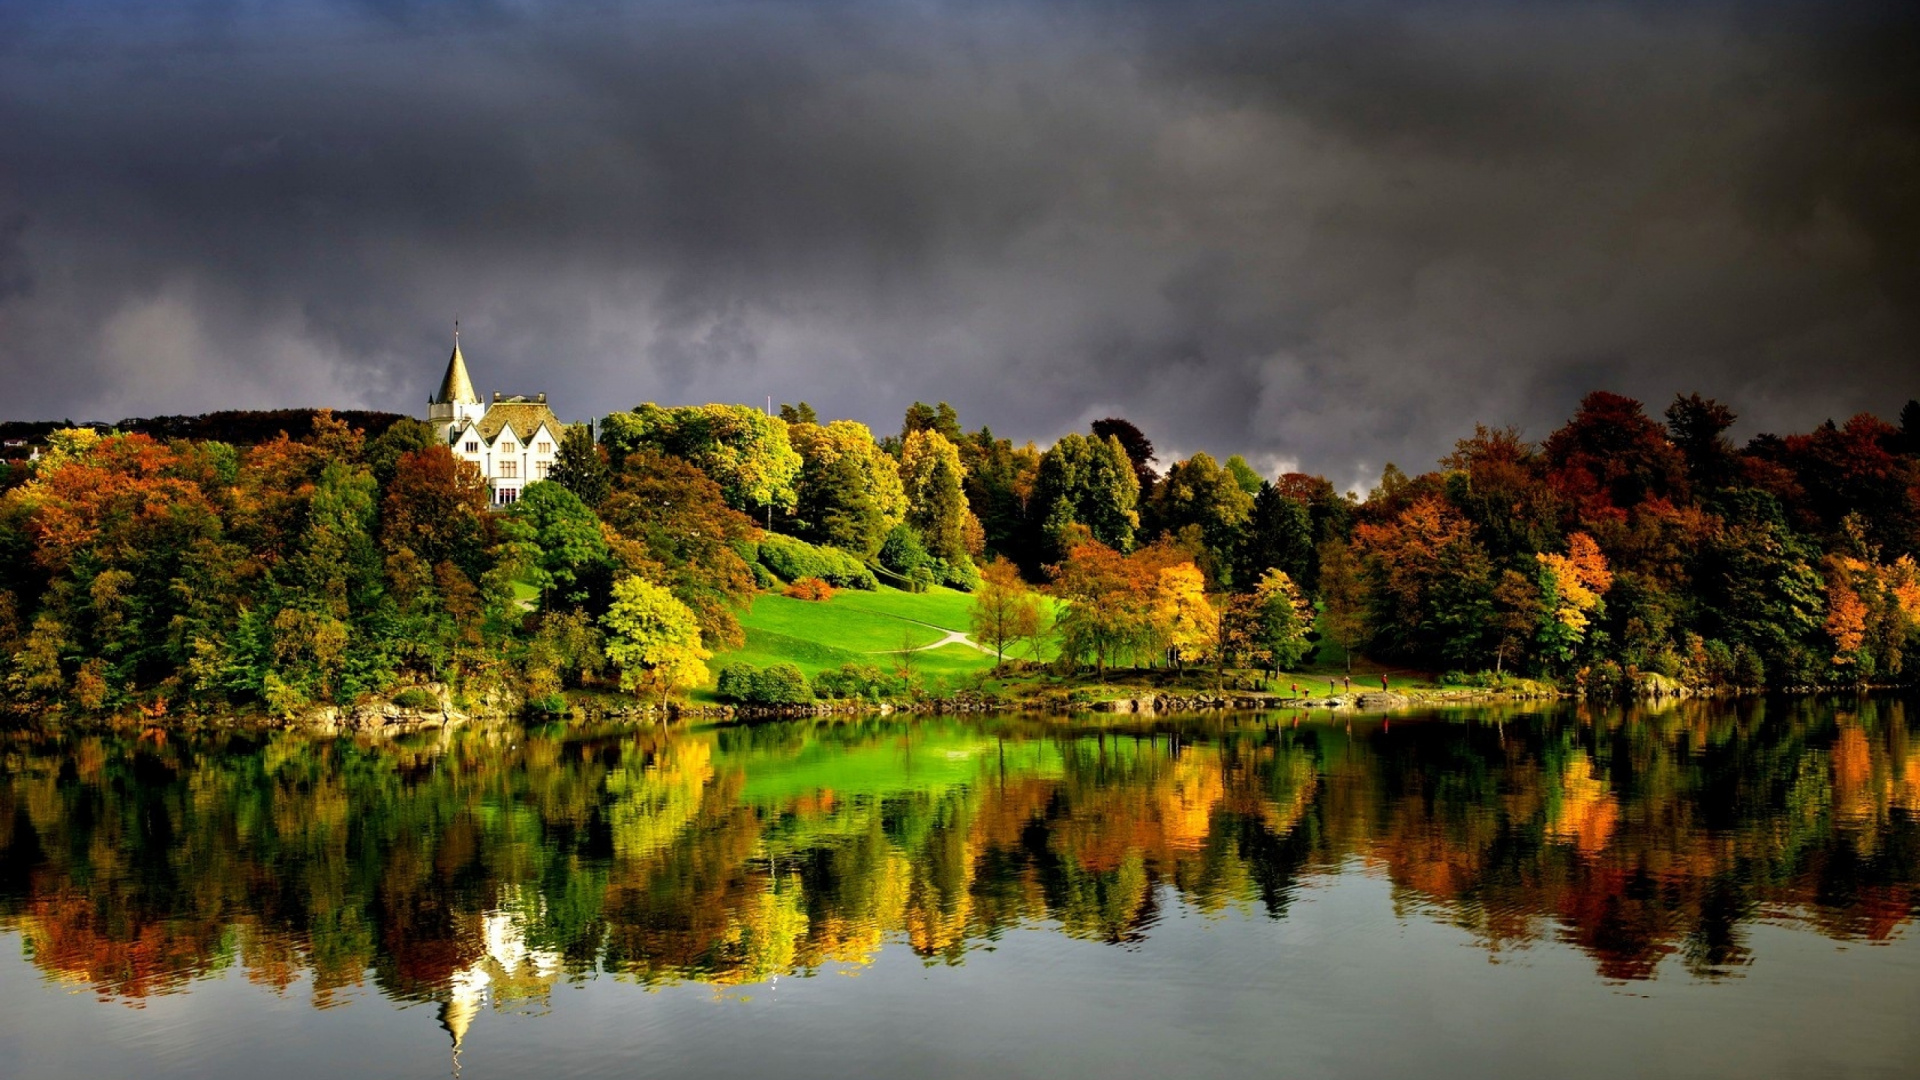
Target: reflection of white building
{"points": [[511, 970], [514, 440]]}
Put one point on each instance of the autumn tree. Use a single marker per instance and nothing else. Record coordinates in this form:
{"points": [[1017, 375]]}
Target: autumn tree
{"points": [[743, 450], [1184, 622], [653, 639], [849, 493], [1104, 609], [1005, 611], [675, 526], [933, 478], [1571, 588]]}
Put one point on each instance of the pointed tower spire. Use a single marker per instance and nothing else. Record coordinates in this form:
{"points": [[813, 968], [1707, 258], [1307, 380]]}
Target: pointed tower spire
{"points": [[456, 388]]}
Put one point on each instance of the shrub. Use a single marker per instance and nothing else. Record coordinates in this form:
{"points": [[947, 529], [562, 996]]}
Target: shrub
{"points": [[414, 697], [810, 588], [777, 684], [792, 560], [963, 575], [763, 578], [858, 681], [903, 553], [548, 704]]}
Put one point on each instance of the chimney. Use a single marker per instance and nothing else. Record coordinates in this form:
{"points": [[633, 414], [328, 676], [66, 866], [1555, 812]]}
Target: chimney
{"points": [[496, 397], [542, 398]]}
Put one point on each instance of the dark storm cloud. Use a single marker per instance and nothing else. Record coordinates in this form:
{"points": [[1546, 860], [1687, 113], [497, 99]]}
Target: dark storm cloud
{"points": [[1331, 234]]}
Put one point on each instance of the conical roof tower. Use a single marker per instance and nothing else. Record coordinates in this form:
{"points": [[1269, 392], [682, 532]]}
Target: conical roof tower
{"points": [[456, 388]]}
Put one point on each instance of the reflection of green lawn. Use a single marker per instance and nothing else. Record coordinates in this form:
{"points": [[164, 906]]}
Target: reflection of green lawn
{"points": [[927, 761]]}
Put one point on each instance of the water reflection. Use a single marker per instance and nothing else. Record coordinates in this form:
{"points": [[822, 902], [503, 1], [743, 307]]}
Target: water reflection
{"points": [[490, 866]]}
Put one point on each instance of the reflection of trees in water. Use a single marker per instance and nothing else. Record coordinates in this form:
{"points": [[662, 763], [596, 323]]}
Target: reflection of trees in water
{"points": [[488, 866]]}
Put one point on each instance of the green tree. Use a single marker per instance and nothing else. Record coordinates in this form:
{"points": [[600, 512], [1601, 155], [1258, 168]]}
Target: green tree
{"points": [[1090, 482], [579, 468], [1199, 493], [573, 560], [1283, 621], [1343, 599], [653, 639], [1244, 475]]}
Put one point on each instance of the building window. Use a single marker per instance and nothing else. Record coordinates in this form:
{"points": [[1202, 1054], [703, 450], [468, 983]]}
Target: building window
{"points": [[543, 448], [506, 448], [506, 496], [540, 468], [472, 447], [509, 468]]}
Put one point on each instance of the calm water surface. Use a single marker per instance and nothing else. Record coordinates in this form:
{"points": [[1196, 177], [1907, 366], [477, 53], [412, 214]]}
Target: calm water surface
{"points": [[1712, 890]]}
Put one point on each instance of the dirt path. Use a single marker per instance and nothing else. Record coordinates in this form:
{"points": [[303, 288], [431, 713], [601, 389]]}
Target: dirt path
{"points": [[954, 637]]}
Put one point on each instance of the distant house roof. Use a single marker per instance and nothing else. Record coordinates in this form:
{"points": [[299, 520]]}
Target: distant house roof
{"points": [[521, 416]]}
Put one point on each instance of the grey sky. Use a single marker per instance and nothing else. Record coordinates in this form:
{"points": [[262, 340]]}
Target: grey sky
{"points": [[1326, 234]]}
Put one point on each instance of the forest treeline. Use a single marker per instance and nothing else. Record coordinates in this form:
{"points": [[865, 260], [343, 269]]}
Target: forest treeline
{"points": [[154, 573]]}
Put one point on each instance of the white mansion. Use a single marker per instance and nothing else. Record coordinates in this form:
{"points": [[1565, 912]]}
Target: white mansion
{"points": [[514, 440]]}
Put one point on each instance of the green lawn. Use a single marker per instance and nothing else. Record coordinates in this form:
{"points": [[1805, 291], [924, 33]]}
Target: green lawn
{"points": [[857, 627]]}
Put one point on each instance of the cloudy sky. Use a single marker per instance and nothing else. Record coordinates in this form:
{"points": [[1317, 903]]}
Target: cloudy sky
{"points": [[1325, 234]]}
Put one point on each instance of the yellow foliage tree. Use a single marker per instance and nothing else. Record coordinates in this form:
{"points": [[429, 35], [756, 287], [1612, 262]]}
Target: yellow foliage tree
{"points": [[653, 639], [1582, 578], [1187, 622]]}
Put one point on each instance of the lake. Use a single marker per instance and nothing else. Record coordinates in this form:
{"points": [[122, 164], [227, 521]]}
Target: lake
{"points": [[1713, 889]]}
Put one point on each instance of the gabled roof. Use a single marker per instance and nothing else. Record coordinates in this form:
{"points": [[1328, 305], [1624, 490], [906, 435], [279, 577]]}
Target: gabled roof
{"points": [[456, 386], [523, 418]]}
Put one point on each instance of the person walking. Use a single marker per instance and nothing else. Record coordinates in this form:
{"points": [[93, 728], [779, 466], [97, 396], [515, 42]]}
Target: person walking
{"points": [[1383, 681], [1349, 684]]}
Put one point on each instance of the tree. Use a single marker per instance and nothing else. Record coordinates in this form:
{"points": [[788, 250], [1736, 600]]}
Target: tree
{"points": [[1571, 586], [1086, 482], [849, 493], [1698, 428], [1278, 535], [941, 420], [405, 436], [1429, 583], [1283, 621], [1183, 618], [1005, 610], [436, 508], [1343, 598], [798, 414], [579, 467], [1138, 448], [573, 557], [745, 451], [1243, 474], [653, 639], [1198, 493], [933, 477], [1105, 609], [1611, 456], [674, 526], [1516, 615]]}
